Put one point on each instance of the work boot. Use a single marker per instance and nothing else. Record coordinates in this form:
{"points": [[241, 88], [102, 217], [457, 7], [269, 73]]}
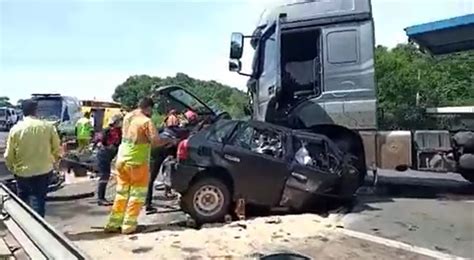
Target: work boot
{"points": [[104, 202], [109, 229], [101, 191], [150, 209]]}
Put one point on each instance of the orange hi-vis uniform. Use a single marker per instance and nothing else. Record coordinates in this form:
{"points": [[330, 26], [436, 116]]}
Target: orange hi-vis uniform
{"points": [[132, 166]]}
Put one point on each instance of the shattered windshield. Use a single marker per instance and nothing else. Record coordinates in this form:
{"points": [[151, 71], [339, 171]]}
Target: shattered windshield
{"points": [[49, 109]]}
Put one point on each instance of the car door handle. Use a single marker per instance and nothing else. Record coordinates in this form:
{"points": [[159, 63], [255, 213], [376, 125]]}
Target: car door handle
{"points": [[299, 177], [231, 158]]}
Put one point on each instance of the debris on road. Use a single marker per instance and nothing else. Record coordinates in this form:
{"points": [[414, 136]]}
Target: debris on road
{"points": [[307, 234]]}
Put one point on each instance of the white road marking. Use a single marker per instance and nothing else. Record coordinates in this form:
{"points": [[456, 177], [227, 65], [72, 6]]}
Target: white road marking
{"points": [[397, 244]]}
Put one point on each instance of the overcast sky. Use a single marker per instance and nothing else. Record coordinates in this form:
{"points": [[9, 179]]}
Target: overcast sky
{"points": [[86, 48]]}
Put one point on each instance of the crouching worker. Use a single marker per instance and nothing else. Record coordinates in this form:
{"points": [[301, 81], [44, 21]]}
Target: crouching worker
{"points": [[108, 146], [32, 150], [133, 159]]}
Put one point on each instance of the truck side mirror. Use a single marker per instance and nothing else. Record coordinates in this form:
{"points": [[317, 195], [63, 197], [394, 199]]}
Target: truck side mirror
{"points": [[235, 65], [236, 45]]}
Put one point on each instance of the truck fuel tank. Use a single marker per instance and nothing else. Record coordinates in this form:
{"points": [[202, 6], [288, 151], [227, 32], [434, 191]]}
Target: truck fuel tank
{"points": [[395, 150]]}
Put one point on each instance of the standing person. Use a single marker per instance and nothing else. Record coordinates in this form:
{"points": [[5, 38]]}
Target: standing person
{"points": [[84, 131], [108, 146], [32, 150], [138, 136]]}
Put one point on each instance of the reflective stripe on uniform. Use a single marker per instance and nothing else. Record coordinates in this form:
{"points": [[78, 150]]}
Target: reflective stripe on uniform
{"points": [[133, 154]]}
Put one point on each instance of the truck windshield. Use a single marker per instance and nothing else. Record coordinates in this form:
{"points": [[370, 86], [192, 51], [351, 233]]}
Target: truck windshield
{"points": [[49, 108], [3, 112]]}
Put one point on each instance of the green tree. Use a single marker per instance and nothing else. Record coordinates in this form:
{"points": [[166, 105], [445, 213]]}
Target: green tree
{"points": [[216, 95], [5, 102], [403, 73]]}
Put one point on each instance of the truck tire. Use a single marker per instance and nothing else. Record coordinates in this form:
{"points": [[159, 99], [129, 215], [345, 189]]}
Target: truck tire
{"points": [[466, 167], [468, 176], [355, 160], [207, 200], [465, 140], [350, 180]]}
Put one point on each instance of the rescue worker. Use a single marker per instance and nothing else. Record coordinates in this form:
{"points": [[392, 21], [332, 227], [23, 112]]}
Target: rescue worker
{"points": [[32, 149], [84, 131], [138, 136], [172, 119], [108, 144]]}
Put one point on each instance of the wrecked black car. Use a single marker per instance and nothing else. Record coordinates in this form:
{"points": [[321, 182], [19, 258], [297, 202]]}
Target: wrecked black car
{"points": [[224, 163], [261, 164]]}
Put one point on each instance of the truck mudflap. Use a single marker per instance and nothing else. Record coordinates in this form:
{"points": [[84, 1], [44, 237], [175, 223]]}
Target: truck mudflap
{"points": [[305, 184]]}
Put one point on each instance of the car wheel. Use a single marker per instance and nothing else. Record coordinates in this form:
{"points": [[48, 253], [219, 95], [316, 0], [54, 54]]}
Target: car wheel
{"points": [[207, 200]]}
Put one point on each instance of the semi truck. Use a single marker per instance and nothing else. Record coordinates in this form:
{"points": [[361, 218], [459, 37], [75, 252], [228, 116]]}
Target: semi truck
{"points": [[313, 69]]}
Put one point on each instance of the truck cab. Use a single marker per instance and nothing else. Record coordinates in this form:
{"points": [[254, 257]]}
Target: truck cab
{"points": [[313, 69]]}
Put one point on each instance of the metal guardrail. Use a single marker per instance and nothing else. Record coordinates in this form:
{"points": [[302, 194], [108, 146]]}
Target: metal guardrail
{"points": [[38, 238]]}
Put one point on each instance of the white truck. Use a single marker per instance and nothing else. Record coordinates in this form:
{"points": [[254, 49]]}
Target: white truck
{"points": [[8, 117]]}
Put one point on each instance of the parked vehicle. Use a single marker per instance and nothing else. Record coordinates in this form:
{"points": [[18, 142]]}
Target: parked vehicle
{"points": [[313, 69], [63, 111], [225, 160], [101, 112], [8, 117]]}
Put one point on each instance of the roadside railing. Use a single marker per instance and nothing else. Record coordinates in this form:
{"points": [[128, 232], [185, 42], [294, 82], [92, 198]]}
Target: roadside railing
{"points": [[38, 238]]}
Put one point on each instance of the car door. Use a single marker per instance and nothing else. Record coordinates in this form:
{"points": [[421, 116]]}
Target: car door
{"points": [[258, 178], [307, 180]]}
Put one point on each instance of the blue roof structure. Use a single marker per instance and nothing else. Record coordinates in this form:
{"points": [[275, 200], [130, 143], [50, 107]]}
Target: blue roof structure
{"points": [[444, 36]]}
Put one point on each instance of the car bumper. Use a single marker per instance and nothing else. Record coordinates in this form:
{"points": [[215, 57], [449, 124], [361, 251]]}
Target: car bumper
{"points": [[182, 175]]}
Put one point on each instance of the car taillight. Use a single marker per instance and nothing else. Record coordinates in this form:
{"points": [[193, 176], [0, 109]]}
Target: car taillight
{"points": [[182, 152]]}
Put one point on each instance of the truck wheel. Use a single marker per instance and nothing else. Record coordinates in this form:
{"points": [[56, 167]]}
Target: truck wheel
{"points": [[355, 160], [350, 181], [468, 175], [207, 200]]}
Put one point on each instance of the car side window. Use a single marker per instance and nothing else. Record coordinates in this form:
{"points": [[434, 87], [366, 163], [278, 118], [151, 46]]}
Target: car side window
{"points": [[262, 141], [220, 131], [244, 137]]}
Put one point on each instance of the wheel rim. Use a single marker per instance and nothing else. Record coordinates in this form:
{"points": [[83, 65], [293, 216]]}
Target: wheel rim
{"points": [[208, 200]]}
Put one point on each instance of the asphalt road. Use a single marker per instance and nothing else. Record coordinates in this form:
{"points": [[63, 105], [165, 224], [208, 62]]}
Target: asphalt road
{"points": [[430, 210]]}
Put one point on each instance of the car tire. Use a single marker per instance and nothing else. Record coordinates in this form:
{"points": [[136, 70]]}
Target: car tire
{"points": [[207, 200]]}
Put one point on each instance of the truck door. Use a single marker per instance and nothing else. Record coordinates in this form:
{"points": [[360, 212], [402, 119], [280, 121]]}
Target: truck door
{"points": [[349, 87], [269, 67]]}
